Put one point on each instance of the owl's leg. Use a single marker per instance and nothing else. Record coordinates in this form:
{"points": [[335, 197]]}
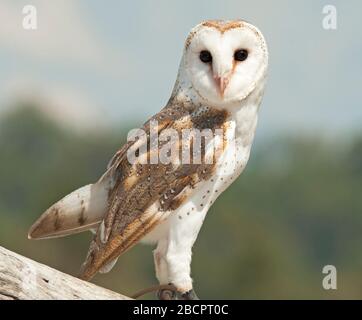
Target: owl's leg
{"points": [[160, 263], [182, 235], [179, 260], [172, 263], [159, 255]]}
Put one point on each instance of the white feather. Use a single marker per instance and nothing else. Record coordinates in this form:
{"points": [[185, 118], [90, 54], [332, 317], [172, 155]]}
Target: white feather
{"points": [[81, 210]]}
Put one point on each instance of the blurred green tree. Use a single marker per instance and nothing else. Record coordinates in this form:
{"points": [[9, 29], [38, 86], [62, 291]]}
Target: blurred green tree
{"points": [[296, 208]]}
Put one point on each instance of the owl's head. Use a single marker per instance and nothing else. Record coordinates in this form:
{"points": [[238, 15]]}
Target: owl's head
{"points": [[224, 60]]}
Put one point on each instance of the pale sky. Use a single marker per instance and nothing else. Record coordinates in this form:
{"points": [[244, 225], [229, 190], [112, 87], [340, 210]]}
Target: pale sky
{"points": [[116, 61]]}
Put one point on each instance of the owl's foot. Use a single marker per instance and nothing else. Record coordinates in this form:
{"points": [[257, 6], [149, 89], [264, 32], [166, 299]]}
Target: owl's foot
{"points": [[189, 295], [169, 294]]}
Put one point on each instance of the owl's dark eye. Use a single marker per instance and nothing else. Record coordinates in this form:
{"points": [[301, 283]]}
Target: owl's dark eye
{"points": [[241, 55], [205, 56]]}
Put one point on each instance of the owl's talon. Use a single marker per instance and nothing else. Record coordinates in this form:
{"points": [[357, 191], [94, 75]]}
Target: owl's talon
{"points": [[189, 295], [166, 294]]}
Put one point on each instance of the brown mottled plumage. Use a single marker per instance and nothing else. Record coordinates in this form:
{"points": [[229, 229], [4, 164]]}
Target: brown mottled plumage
{"points": [[128, 218]]}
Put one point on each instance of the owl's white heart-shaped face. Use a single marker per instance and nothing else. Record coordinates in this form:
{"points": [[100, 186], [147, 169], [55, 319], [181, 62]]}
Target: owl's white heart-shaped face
{"points": [[224, 60]]}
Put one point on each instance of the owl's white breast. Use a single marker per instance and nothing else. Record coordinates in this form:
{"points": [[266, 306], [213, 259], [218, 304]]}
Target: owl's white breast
{"points": [[187, 220]]}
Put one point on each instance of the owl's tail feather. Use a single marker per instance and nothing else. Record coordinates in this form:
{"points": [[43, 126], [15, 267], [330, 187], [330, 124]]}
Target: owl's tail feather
{"points": [[81, 210]]}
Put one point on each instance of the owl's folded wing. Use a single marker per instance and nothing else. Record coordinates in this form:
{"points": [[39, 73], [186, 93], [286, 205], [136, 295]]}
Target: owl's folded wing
{"points": [[143, 196]]}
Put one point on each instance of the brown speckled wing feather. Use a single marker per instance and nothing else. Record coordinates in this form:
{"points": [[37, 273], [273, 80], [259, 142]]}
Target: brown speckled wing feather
{"points": [[145, 194]]}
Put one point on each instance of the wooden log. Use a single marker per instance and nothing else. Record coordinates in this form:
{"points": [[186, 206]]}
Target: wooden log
{"points": [[24, 279]]}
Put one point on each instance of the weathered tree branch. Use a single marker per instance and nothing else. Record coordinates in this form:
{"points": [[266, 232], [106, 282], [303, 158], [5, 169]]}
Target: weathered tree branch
{"points": [[25, 279]]}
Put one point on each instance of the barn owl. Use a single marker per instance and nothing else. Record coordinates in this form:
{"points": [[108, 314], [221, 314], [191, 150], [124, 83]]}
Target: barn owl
{"points": [[219, 87]]}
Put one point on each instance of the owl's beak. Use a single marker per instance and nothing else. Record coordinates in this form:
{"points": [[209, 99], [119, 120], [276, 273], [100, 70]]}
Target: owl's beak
{"points": [[221, 83]]}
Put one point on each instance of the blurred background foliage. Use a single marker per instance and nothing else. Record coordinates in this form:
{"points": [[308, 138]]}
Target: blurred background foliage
{"points": [[296, 208]]}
